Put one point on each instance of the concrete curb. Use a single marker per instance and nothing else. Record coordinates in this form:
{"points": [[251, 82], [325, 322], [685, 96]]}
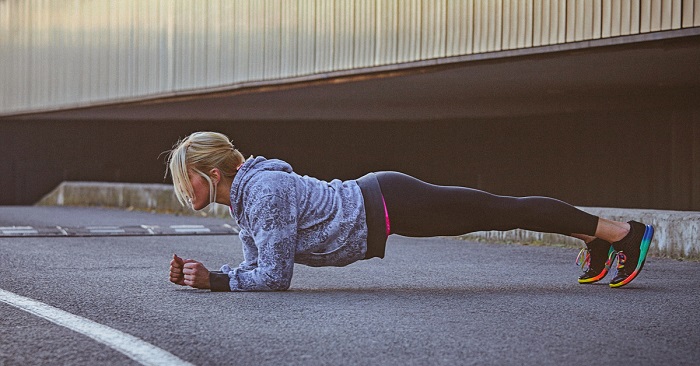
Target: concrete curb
{"points": [[133, 196], [677, 232]]}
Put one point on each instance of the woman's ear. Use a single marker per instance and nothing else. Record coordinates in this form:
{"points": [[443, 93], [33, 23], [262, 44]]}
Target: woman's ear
{"points": [[215, 175]]}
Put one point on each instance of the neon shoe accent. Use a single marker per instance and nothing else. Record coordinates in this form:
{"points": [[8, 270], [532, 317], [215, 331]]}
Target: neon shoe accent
{"points": [[622, 258], [594, 279], [584, 258], [588, 277]]}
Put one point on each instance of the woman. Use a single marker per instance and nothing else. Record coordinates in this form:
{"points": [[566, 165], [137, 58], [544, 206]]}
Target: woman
{"points": [[286, 218]]}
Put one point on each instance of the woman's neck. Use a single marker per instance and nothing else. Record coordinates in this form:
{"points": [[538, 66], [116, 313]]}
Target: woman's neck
{"points": [[223, 191]]}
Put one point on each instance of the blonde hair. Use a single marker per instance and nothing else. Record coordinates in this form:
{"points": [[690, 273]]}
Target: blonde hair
{"points": [[201, 152]]}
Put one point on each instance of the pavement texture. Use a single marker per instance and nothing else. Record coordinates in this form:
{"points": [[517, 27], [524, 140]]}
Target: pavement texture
{"points": [[431, 301]]}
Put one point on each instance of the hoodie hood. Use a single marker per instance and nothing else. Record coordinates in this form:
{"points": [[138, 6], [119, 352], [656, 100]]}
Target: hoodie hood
{"points": [[247, 171]]}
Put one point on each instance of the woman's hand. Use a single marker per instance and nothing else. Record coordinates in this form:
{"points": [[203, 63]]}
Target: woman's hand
{"points": [[176, 266], [189, 272]]}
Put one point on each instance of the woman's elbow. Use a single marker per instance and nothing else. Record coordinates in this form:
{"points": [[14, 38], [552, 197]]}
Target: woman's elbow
{"points": [[281, 283]]}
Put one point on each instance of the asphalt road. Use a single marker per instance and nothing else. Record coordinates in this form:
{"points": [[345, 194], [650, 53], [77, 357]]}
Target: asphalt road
{"points": [[431, 301]]}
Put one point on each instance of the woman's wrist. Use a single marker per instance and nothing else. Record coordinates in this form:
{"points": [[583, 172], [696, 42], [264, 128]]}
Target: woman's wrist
{"points": [[219, 281]]}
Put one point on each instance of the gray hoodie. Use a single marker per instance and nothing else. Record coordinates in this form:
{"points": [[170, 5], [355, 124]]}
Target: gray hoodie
{"points": [[286, 218]]}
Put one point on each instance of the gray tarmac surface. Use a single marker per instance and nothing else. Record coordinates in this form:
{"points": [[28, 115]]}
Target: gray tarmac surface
{"points": [[431, 301]]}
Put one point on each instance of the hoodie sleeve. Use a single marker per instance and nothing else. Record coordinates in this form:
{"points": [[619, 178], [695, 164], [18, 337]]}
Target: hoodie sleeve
{"points": [[273, 231]]}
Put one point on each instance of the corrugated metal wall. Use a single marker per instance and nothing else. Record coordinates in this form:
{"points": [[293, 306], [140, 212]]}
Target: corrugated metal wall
{"points": [[60, 53]]}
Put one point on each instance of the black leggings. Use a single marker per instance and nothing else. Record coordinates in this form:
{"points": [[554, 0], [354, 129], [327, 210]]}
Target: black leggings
{"points": [[421, 209]]}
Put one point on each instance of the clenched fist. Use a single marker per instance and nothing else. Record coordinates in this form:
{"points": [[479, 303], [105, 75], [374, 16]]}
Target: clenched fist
{"points": [[188, 272]]}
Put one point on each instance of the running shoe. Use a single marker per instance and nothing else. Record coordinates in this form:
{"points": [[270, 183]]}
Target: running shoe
{"points": [[632, 253], [595, 260]]}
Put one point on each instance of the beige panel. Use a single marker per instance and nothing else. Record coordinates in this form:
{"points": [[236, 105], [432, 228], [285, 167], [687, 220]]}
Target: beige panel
{"points": [[241, 29], [28, 59], [487, 12], [580, 18], [387, 22], [597, 19], [696, 13], [618, 24], [645, 16], [606, 18], [687, 20], [273, 39], [510, 25], [433, 29], [670, 14], [634, 16], [225, 43], [625, 17], [166, 24], [8, 59], [570, 22], [517, 23], [551, 33], [197, 48], [39, 69], [343, 35], [427, 24], [469, 35], [454, 14], [562, 21], [469, 26], [289, 36], [656, 15], [666, 14], [408, 24], [256, 49], [324, 36], [537, 23], [306, 57], [676, 14], [112, 37], [364, 33], [214, 74], [496, 25], [478, 32], [587, 19], [438, 20], [525, 27]]}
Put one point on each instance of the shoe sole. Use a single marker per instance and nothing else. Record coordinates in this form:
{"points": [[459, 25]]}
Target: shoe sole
{"points": [[594, 279], [602, 273], [643, 249]]}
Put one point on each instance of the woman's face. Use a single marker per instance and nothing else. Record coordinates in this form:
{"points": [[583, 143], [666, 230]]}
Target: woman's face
{"points": [[200, 187]]}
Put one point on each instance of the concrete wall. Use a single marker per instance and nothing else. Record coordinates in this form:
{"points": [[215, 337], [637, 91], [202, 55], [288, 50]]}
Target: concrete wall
{"points": [[677, 233]]}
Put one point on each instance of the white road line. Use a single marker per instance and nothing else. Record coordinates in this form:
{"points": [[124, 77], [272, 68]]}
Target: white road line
{"points": [[107, 231], [22, 231], [15, 230], [134, 348], [199, 230]]}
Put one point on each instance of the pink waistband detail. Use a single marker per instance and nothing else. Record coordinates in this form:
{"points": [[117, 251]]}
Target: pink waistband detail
{"points": [[386, 217]]}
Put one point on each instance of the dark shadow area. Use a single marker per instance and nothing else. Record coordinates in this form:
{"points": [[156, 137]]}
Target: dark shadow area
{"points": [[638, 159]]}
